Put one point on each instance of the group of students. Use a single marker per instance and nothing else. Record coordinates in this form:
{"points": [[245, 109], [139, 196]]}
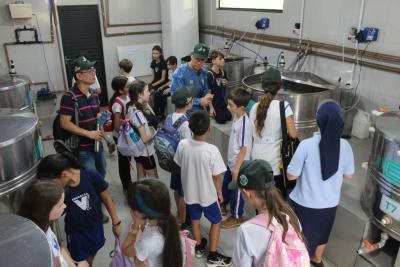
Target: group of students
{"points": [[202, 182]]}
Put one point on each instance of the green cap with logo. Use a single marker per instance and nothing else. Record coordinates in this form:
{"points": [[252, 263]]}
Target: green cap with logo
{"points": [[271, 75], [255, 175], [82, 63], [201, 51], [183, 96]]}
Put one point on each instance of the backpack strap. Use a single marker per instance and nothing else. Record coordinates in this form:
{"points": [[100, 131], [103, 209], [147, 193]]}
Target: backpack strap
{"points": [[119, 102], [76, 107], [212, 75], [179, 122]]}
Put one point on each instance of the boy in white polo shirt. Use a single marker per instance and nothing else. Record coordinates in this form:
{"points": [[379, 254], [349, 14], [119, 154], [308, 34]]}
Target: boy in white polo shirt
{"points": [[239, 148], [201, 168]]}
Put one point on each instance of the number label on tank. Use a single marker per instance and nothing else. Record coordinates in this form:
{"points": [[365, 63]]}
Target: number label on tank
{"points": [[390, 207]]}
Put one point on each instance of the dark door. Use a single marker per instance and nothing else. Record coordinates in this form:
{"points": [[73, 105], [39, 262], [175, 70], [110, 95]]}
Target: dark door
{"points": [[81, 34]]}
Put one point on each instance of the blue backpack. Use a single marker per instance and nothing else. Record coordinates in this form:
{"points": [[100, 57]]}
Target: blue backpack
{"points": [[167, 140]]}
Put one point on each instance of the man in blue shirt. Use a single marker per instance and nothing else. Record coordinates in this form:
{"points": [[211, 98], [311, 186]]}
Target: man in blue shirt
{"points": [[193, 75]]}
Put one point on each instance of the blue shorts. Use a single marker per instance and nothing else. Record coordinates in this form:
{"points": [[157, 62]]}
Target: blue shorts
{"points": [[84, 245], [212, 212], [176, 183]]}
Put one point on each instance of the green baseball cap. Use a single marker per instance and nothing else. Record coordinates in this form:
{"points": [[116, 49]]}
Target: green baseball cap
{"points": [[255, 175], [183, 96], [201, 51], [82, 63], [271, 75]]}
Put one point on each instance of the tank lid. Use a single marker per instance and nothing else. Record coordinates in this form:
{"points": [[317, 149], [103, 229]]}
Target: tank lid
{"points": [[7, 82], [389, 124], [307, 78], [17, 123]]}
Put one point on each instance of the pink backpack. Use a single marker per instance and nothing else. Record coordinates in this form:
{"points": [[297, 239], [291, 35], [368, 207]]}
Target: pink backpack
{"points": [[291, 253]]}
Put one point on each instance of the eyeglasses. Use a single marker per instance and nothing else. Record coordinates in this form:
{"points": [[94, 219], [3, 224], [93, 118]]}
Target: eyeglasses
{"points": [[91, 71]]}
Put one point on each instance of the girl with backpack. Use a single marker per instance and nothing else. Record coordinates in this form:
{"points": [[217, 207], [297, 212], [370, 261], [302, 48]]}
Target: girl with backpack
{"points": [[118, 101], [153, 239], [145, 122], [43, 203], [273, 237]]}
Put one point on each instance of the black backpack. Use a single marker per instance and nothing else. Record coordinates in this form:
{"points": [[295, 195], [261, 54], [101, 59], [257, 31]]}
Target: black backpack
{"points": [[63, 140]]}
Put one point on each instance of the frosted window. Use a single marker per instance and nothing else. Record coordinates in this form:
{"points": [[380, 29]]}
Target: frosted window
{"points": [[275, 5]]}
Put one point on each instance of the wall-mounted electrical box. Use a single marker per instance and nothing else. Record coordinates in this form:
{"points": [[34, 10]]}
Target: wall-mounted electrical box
{"points": [[20, 11], [367, 34]]}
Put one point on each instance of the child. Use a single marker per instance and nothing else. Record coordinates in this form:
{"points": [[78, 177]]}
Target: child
{"points": [[159, 78], [86, 189], [121, 85], [43, 203], [269, 237], [201, 168], [217, 82], [153, 239], [183, 100], [125, 68], [172, 65], [239, 149], [139, 114]]}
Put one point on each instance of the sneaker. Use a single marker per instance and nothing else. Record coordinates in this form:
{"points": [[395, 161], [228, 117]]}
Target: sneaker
{"points": [[317, 264], [105, 219], [217, 259], [200, 250], [223, 209], [231, 222]]}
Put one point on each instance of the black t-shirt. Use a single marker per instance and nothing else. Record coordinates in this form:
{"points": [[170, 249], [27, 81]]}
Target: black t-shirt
{"points": [[88, 109], [83, 202], [217, 88], [157, 70]]}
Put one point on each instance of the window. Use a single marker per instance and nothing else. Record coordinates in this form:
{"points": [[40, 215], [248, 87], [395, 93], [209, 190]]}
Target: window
{"points": [[265, 5]]}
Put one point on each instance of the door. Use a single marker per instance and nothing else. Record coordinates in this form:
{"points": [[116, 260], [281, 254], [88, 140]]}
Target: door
{"points": [[81, 34]]}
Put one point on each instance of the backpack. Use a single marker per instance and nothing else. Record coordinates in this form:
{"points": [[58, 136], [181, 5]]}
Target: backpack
{"points": [[291, 252], [109, 127], [129, 143], [167, 140], [118, 259], [188, 247], [62, 139]]}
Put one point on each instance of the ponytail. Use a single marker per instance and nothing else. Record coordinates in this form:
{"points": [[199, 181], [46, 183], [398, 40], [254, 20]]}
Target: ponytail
{"points": [[261, 114], [172, 252]]}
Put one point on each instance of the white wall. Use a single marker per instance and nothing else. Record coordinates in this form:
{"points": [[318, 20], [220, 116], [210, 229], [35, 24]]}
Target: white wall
{"points": [[325, 21], [30, 61]]}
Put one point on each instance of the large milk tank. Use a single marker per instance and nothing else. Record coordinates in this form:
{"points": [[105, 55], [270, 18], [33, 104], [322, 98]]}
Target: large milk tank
{"points": [[304, 91], [234, 68], [20, 153], [381, 196], [15, 92]]}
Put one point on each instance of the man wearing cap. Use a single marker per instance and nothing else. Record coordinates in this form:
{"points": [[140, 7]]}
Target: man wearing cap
{"points": [[86, 129], [192, 75]]}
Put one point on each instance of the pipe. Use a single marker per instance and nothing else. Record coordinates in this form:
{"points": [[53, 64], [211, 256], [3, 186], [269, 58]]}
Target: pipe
{"points": [[311, 52], [360, 18], [301, 22], [367, 247], [314, 44]]}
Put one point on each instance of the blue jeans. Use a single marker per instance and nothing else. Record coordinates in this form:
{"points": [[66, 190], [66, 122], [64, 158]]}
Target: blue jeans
{"points": [[91, 160]]}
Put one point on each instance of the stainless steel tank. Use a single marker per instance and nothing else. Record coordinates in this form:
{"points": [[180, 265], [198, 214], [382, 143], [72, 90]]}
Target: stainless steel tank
{"points": [[234, 68], [15, 92], [381, 196], [304, 91], [22, 243], [21, 150]]}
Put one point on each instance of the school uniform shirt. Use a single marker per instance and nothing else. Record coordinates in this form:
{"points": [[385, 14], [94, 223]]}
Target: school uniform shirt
{"points": [[251, 245], [186, 76], [93, 87], [268, 145], [89, 106], [138, 119], [310, 190], [117, 108], [184, 129], [55, 247], [157, 70], [217, 88], [150, 245], [199, 161], [241, 136], [83, 202], [131, 79]]}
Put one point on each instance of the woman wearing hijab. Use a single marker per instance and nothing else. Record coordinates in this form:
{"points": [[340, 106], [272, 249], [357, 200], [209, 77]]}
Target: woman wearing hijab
{"points": [[320, 163]]}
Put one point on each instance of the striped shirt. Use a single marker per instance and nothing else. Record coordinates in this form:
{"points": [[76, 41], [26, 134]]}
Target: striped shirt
{"points": [[88, 109], [241, 136]]}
